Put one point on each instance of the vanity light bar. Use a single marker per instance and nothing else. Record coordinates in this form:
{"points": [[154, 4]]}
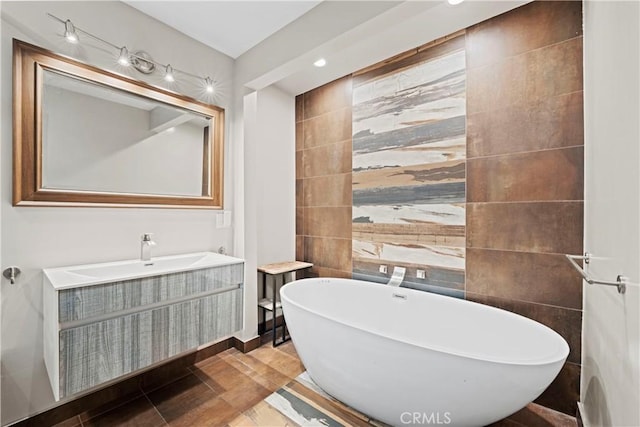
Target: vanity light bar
{"points": [[125, 58]]}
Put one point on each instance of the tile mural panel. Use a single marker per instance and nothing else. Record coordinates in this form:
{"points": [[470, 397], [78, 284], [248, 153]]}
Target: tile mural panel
{"points": [[409, 154]]}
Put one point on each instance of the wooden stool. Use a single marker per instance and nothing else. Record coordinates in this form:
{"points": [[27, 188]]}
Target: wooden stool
{"points": [[267, 304]]}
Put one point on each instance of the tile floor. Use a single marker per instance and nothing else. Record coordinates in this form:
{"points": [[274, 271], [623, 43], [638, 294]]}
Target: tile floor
{"points": [[228, 390]]}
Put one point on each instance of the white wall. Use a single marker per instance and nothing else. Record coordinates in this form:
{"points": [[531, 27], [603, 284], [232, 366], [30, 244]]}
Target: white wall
{"points": [[269, 189], [610, 380], [3, 125], [249, 220], [36, 237], [275, 175]]}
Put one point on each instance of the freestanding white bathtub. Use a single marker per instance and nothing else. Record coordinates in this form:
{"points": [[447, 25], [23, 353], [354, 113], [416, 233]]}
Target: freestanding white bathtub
{"points": [[408, 357]]}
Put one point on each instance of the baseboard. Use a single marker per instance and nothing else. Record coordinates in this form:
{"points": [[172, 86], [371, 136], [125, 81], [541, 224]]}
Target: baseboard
{"points": [[246, 346], [255, 342]]}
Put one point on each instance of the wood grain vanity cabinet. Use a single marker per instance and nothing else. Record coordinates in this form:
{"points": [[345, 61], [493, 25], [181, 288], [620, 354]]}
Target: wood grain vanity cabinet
{"points": [[100, 332]]}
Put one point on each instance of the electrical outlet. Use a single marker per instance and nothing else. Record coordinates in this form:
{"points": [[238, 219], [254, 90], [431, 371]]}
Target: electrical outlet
{"points": [[421, 274], [383, 269]]}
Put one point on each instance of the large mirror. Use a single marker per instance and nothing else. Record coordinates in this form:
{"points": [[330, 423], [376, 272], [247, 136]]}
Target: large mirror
{"points": [[85, 136]]}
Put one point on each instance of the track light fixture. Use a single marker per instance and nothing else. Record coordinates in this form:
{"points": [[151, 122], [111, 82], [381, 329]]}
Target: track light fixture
{"points": [[70, 32], [140, 60]]}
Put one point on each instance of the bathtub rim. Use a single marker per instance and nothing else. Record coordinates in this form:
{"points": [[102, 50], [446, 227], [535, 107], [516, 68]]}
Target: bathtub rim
{"points": [[443, 350]]}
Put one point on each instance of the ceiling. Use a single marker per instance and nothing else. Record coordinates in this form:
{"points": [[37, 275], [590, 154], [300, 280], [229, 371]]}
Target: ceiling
{"points": [[231, 27], [275, 42]]}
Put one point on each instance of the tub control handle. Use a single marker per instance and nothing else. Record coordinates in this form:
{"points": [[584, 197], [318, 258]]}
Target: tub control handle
{"points": [[620, 282]]}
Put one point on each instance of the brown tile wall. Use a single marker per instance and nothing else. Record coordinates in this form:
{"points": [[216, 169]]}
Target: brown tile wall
{"points": [[525, 172], [323, 179]]}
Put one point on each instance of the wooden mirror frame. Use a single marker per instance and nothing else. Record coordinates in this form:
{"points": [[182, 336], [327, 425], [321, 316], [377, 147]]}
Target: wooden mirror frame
{"points": [[29, 62]]}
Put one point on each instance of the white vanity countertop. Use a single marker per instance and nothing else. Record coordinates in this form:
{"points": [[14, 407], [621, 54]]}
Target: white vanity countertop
{"points": [[95, 274]]}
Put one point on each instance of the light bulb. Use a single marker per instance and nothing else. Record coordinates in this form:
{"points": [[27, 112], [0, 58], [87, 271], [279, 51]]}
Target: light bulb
{"points": [[209, 85], [168, 74], [320, 62], [123, 59], [454, 2], [70, 32]]}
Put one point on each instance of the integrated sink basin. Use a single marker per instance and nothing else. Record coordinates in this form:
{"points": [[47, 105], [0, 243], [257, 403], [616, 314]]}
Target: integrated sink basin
{"points": [[94, 274]]}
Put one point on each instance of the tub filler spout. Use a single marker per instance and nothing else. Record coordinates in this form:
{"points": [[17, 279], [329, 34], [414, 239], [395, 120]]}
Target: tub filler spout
{"points": [[397, 277]]}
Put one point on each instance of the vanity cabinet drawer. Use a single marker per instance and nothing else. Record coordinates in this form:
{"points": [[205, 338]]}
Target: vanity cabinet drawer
{"points": [[98, 300], [98, 352]]}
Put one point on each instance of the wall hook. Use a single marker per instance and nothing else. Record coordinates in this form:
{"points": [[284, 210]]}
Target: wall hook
{"points": [[11, 273]]}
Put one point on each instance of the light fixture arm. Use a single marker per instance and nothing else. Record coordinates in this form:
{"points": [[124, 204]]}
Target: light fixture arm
{"points": [[170, 70]]}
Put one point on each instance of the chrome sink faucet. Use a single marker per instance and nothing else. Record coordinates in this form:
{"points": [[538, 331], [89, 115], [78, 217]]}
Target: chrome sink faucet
{"points": [[145, 247]]}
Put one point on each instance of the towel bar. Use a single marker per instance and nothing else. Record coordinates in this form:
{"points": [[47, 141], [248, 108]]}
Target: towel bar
{"points": [[620, 282]]}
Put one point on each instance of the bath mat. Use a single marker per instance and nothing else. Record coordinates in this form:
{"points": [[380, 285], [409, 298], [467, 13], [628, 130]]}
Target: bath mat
{"points": [[302, 403]]}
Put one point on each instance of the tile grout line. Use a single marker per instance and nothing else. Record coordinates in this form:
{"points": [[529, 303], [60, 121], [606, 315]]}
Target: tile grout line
{"points": [[326, 206], [155, 408], [313, 236], [119, 405], [216, 394], [512, 202], [579, 310], [335, 110], [515, 153], [515, 251], [522, 202], [326, 144], [327, 175], [526, 104], [250, 367], [515, 55]]}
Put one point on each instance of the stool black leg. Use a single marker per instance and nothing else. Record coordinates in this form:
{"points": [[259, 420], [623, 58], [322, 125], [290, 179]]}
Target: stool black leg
{"points": [[264, 311], [273, 319]]}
